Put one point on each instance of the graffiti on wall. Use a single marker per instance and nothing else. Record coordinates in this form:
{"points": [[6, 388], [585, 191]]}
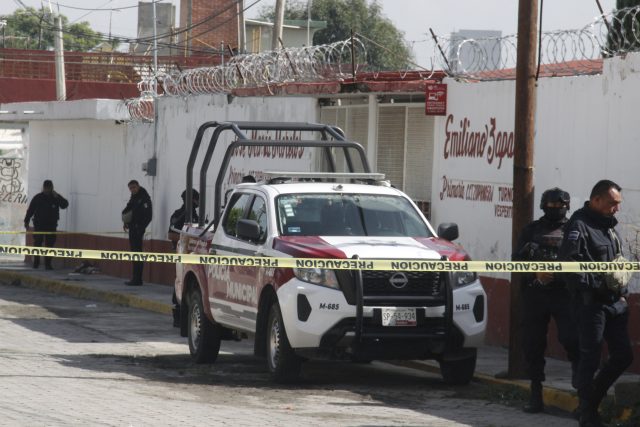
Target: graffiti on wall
{"points": [[11, 183]]}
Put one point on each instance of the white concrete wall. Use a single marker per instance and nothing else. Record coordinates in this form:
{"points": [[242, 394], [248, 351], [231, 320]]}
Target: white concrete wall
{"points": [[91, 160], [585, 131], [13, 185], [478, 109], [179, 122]]}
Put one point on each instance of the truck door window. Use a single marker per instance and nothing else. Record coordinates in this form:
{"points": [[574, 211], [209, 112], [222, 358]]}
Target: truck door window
{"points": [[258, 213], [237, 206]]}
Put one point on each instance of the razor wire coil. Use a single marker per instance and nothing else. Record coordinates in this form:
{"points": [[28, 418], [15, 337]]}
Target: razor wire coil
{"points": [[562, 53]]}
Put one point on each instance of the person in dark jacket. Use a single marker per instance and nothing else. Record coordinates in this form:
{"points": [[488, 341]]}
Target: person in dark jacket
{"points": [[45, 210], [545, 294], [602, 312], [136, 216], [178, 217], [176, 222]]}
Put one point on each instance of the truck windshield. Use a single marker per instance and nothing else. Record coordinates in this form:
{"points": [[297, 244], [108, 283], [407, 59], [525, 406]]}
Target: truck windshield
{"points": [[348, 215]]}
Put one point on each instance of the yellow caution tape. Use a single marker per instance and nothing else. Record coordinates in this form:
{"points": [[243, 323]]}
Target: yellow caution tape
{"points": [[334, 264], [63, 232]]}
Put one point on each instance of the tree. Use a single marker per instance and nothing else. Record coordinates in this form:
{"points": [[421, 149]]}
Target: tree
{"points": [[387, 48], [35, 29], [624, 29]]}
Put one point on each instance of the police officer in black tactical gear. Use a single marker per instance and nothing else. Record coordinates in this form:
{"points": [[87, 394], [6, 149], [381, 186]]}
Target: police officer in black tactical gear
{"points": [[545, 294], [136, 216], [45, 211], [601, 309]]}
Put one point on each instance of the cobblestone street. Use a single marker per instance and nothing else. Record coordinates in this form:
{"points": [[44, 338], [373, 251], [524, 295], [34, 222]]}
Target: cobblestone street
{"points": [[66, 361]]}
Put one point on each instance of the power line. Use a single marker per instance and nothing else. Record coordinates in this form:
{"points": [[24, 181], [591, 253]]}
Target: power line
{"points": [[149, 40], [100, 9], [139, 39], [225, 21], [145, 40], [88, 13]]}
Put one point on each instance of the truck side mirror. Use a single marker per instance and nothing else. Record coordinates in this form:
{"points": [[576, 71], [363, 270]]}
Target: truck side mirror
{"points": [[448, 231], [248, 229]]}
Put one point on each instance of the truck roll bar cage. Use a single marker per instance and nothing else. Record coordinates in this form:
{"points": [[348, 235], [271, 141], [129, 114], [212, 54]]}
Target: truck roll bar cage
{"points": [[238, 129]]}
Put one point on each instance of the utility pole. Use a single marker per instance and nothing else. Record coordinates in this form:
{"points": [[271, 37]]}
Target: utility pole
{"points": [[277, 26], [61, 89], [152, 163], [155, 50], [3, 24], [308, 23], [242, 30], [524, 129], [40, 29]]}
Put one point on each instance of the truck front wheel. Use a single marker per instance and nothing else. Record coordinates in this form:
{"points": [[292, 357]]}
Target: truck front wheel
{"points": [[204, 336], [283, 364], [459, 371]]}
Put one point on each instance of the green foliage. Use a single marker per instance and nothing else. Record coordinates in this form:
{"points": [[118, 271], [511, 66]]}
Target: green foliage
{"points": [[79, 36], [35, 29], [388, 51]]}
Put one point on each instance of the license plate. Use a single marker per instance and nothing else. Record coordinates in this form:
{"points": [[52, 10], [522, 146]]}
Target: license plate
{"points": [[399, 317]]}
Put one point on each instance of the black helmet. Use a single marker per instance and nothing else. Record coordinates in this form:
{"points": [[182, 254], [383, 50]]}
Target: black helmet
{"points": [[194, 195], [555, 195]]}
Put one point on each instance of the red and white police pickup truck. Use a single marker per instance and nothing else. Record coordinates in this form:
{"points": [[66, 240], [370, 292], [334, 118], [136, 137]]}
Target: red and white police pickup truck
{"points": [[298, 313]]}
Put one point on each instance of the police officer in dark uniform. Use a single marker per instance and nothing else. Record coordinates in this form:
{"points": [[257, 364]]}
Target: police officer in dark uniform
{"points": [[602, 311], [45, 210], [545, 294], [136, 217], [177, 219]]}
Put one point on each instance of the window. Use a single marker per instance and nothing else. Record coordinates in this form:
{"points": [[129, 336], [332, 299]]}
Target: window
{"points": [[349, 215], [236, 210], [258, 213]]}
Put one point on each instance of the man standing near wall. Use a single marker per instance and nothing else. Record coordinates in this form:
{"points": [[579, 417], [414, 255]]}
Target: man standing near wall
{"points": [[136, 216], [601, 306], [45, 210]]}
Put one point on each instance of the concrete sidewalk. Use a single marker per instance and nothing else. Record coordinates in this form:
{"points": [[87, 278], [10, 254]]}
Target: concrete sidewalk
{"points": [[157, 298]]}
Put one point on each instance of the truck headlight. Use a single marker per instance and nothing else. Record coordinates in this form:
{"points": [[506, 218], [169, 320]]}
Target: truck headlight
{"points": [[464, 278], [317, 276]]}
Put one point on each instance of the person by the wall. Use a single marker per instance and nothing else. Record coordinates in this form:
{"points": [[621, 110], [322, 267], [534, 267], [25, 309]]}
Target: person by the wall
{"points": [[136, 216], [45, 211]]}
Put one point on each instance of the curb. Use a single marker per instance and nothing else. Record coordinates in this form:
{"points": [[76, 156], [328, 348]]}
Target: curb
{"points": [[564, 400], [561, 399], [84, 292]]}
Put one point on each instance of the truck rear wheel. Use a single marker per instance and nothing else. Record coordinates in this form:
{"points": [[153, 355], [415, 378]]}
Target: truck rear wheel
{"points": [[459, 371], [204, 336], [283, 364]]}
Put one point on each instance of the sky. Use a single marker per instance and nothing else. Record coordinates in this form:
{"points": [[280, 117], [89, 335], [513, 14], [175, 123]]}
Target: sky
{"points": [[413, 17]]}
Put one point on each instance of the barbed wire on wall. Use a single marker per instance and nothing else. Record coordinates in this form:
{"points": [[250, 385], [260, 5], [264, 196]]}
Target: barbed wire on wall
{"points": [[562, 53], [306, 64], [141, 109]]}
